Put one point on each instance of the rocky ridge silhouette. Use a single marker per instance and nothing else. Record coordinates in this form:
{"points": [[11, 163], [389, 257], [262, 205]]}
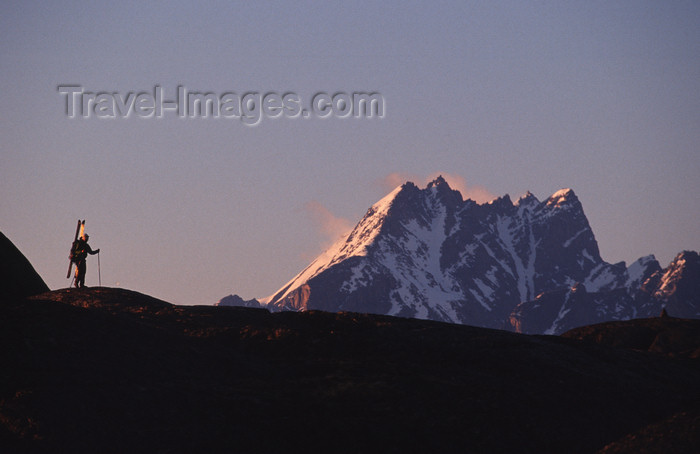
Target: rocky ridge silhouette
{"points": [[113, 371]]}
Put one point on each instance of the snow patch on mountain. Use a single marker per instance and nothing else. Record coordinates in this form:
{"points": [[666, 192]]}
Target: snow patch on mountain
{"points": [[639, 270], [422, 284], [560, 316], [601, 276], [524, 272]]}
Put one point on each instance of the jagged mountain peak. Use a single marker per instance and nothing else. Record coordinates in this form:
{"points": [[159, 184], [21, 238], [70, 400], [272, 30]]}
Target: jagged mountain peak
{"points": [[683, 257], [685, 265], [442, 190], [646, 259], [439, 181], [235, 300], [563, 197], [530, 265], [439, 189], [526, 200], [423, 241], [502, 203], [641, 270]]}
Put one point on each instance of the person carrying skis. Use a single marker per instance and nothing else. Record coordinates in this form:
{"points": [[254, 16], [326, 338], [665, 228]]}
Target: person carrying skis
{"points": [[80, 253]]}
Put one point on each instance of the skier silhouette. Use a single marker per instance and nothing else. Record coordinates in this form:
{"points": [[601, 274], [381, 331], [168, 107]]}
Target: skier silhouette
{"points": [[80, 253]]}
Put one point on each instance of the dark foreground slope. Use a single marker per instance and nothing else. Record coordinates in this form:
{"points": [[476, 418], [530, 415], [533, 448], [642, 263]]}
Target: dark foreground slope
{"points": [[17, 276], [113, 371], [676, 337]]}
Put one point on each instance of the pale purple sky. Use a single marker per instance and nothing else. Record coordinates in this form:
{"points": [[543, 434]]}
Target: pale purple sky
{"points": [[503, 97]]}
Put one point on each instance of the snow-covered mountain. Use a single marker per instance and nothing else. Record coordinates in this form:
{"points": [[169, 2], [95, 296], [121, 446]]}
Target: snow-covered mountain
{"points": [[647, 290], [523, 265]]}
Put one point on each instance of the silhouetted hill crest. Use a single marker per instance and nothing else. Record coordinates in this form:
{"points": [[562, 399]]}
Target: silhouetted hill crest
{"points": [[112, 370], [18, 278]]}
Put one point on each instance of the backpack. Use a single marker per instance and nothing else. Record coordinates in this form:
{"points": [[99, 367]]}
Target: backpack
{"points": [[77, 251]]}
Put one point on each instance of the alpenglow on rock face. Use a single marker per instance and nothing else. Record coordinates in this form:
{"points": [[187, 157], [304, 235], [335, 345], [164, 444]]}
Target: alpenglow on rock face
{"points": [[427, 253]]}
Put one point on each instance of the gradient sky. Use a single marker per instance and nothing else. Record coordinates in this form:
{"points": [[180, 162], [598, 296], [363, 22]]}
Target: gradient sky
{"points": [[499, 96]]}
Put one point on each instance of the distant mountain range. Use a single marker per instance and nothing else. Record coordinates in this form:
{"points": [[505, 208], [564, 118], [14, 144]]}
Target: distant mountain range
{"points": [[529, 266]]}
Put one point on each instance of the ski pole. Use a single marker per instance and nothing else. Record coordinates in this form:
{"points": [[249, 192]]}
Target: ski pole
{"points": [[99, 270]]}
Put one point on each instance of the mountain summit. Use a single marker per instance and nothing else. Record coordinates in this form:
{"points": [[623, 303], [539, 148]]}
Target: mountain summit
{"points": [[430, 254]]}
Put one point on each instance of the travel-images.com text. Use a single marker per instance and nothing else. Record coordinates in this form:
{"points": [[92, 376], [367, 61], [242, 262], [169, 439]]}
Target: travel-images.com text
{"points": [[250, 108]]}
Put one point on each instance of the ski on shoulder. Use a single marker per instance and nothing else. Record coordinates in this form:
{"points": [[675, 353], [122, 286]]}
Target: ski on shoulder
{"points": [[79, 230]]}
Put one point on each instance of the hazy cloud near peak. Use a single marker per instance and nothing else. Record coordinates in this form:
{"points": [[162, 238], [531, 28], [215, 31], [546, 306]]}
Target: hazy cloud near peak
{"points": [[329, 226]]}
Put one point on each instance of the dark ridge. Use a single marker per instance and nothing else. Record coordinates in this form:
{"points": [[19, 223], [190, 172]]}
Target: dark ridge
{"points": [[666, 335], [18, 278], [113, 371], [678, 434]]}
